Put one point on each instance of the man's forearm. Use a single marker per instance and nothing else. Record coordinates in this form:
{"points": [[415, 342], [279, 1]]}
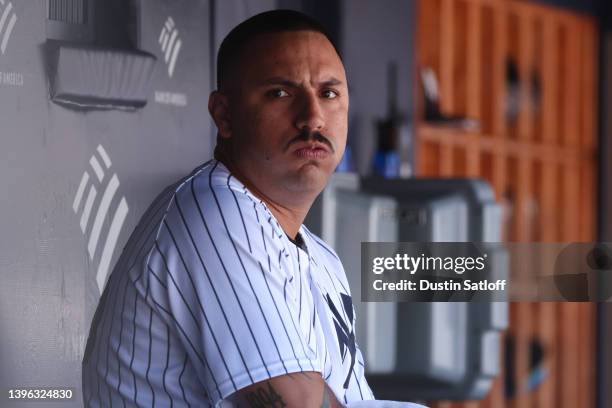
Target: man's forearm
{"points": [[288, 391]]}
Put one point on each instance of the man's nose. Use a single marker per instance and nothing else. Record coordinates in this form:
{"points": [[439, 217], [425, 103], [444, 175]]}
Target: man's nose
{"points": [[310, 113]]}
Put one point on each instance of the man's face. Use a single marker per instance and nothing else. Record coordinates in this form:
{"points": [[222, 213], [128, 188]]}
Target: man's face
{"points": [[288, 112]]}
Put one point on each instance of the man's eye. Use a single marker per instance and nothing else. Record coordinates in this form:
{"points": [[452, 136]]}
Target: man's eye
{"points": [[278, 93], [329, 94]]}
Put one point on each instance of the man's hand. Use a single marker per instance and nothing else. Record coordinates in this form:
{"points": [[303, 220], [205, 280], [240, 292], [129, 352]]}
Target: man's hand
{"points": [[303, 390]]}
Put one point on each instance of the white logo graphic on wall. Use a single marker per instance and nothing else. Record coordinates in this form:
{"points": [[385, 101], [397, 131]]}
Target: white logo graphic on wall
{"points": [[102, 236], [8, 18], [170, 44]]}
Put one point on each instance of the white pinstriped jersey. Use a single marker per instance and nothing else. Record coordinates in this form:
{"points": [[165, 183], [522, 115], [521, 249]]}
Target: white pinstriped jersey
{"points": [[210, 296]]}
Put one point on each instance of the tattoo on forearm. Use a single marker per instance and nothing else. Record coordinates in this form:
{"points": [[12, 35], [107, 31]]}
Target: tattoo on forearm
{"points": [[302, 374], [325, 402], [265, 397]]}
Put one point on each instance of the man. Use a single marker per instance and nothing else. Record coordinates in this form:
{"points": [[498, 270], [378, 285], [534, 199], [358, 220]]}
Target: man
{"points": [[222, 296]]}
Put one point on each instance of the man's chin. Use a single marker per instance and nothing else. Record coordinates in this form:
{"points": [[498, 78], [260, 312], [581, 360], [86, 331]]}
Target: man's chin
{"points": [[312, 176]]}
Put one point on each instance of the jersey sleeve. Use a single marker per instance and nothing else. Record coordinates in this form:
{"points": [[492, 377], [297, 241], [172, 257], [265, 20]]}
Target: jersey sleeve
{"points": [[218, 276]]}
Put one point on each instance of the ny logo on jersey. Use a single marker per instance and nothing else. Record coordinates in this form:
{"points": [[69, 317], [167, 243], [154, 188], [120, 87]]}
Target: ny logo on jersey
{"points": [[344, 331]]}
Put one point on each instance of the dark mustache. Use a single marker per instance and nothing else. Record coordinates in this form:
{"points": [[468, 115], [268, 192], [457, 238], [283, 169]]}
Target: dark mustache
{"points": [[307, 135]]}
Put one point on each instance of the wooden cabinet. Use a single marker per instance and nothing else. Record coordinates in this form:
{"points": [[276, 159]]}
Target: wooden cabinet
{"points": [[528, 74]]}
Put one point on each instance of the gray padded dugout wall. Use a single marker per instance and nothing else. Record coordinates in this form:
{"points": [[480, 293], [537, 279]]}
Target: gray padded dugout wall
{"points": [[49, 281]]}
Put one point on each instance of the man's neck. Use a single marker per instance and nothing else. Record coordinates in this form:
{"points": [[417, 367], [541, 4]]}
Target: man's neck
{"points": [[290, 218]]}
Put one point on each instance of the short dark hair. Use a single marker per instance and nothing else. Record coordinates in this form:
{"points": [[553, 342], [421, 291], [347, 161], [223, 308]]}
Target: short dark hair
{"points": [[274, 21]]}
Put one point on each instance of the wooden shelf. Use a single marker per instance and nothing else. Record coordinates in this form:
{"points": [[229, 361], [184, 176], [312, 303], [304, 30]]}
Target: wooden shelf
{"points": [[540, 157], [488, 143]]}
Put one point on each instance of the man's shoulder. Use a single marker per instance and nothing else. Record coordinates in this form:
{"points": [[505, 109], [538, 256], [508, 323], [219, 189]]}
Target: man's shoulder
{"points": [[212, 203], [212, 192], [178, 197], [206, 210], [182, 203], [203, 179]]}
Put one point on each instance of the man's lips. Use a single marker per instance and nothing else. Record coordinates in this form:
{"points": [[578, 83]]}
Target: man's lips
{"points": [[311, 150]]}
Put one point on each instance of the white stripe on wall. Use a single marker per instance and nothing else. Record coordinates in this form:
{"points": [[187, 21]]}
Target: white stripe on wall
{"points": [[111, 242], [165, 40], [95, 164], [109, 193], [80, 191], [177, 48], [7, 33], [7, 10], [87, 210], [170, 45], [104, 155]]}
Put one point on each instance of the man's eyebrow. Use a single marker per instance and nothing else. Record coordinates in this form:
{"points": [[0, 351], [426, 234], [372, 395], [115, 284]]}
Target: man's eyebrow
{"points": [[287, 82], [331, 82]]}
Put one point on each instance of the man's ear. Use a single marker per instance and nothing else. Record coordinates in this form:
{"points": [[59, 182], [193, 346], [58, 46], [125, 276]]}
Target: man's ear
{"points": [[218, 106]]}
